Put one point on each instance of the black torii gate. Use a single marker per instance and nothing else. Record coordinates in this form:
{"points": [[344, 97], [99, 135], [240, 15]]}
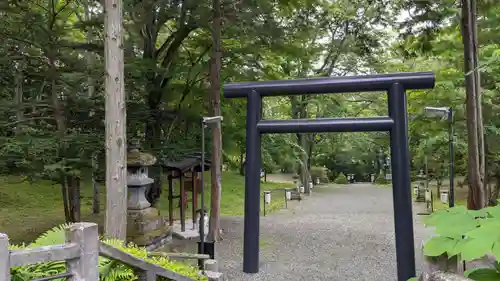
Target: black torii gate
{"points": [[396, 124]]}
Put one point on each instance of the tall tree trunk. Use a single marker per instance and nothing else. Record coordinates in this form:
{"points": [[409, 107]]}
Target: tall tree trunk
{"points": [[496, 190], [299, 111], [479, 104], [304, 171], [214, 225], [242, 161], [71, 197], [91, 91], [74, 182], [116, 158], [304, 144], [57, 107], [64, 194], [310, 149], [295, 106], [19, 81], [476, 198]]}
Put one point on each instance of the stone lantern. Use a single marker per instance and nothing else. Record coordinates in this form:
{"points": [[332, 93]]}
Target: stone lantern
{"points": [[419, 189], [137, 178], [145, 225]]}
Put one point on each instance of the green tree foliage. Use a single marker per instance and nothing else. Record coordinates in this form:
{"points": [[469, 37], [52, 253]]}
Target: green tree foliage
{"points": [[51, 127]]}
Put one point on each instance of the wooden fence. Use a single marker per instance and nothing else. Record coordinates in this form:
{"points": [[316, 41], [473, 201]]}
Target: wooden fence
{"points": [[81, 253]]}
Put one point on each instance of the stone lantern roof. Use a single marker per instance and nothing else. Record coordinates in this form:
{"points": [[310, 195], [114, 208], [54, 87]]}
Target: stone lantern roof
{"points": [[136, 158]]}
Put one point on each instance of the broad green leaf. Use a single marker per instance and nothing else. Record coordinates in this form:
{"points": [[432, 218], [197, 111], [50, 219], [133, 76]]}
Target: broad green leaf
{"points": [[483, 274], [446, 217], [489, 229], [494, 211], [413, 279], [478, 213], [439, 245], [475, 248], [496, 250], [456, 228], [458, 248]]}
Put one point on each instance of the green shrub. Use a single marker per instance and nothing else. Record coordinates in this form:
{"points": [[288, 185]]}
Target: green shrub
{"points": [[320, 173], [332, 175], [341, 179], [288, 166], [381, 179], [108, 270]]}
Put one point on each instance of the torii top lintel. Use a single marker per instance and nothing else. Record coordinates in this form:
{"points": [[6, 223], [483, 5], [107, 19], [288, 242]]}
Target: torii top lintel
{"points": [[330, 85]]}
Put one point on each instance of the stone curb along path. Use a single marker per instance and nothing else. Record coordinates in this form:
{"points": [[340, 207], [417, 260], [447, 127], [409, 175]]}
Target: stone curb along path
{"points": [[338, 232]]}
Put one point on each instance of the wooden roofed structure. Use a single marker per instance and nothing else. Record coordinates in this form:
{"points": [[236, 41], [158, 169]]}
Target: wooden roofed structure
{"points": [[188, 172]]}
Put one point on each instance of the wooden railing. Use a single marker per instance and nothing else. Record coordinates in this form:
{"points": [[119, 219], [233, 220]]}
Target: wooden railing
{"points": [[81, 253]]}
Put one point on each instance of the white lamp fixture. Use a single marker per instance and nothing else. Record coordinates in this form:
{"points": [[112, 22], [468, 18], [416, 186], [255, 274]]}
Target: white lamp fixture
{"points": [[288, 195], [436, 111], [444, 196], [311, 185], [415, 191], [211, 120], [428, 196], [267, 197], [301, 188]]}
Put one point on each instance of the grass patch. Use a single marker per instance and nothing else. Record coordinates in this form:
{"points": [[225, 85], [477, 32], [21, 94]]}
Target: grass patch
{"points": [[27, 210], [460, 193], [385, 185], [233, 194], [438, 205]]}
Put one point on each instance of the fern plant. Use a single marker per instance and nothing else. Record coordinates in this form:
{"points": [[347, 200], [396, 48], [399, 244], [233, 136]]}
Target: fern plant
{"points": [[53, 236], [109, 270]]}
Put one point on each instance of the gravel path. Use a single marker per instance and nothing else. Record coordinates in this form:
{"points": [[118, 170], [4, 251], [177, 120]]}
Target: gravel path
{"points": [[338, 233]]}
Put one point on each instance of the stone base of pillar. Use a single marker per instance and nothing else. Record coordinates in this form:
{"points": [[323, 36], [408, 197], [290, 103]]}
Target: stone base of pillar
{"points": [[146, 227]]}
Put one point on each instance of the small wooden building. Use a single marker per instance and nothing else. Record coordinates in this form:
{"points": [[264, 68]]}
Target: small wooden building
{"points": [[188, 171]]}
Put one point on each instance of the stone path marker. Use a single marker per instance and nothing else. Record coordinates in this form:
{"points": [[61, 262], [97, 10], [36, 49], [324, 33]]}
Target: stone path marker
{"points": [[338, 233]]}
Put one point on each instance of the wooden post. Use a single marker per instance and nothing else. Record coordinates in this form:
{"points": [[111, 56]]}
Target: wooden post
{"points": [[86, 235], [170, 200], [183, 198], [194, 196], [4, 258], [145, 276]]}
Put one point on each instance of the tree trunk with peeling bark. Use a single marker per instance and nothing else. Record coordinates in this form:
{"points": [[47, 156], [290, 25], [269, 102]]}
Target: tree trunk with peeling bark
{"points": [[477, 195], [91, 90], [214, 225], [19, 82], [116, 164], [477, 88]]}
